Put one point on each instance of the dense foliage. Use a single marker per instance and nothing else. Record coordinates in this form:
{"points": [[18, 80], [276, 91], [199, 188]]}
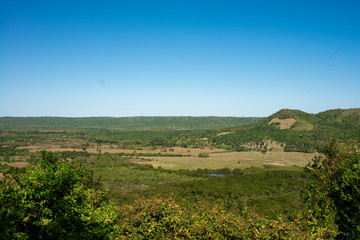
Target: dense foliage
{"points": [[166, 219], [334, 193], [54, 199]]}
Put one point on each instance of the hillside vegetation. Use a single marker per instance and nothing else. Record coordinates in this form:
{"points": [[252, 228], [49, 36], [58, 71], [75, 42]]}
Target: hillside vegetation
{"points": [[294, 130]]}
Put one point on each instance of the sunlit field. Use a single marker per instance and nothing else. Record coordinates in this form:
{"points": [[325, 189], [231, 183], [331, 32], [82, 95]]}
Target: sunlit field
{"points": [[111, 149], [234, 160]]}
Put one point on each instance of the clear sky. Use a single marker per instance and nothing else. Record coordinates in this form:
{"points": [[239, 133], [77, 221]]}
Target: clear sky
{"points": [[178, 58]]}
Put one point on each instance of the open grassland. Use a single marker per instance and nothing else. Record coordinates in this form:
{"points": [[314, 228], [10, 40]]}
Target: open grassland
{"points": [[108, 149], [302, 125], [194, 158], [233, 160]]}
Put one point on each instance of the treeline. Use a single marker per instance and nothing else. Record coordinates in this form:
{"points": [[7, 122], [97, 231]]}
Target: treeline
{"points": [[141, 123], [78, 138]]}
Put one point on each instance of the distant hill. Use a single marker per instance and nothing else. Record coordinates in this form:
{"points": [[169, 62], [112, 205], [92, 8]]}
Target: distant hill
{"points": [[295, 130], [128, 123], [337, 118]]}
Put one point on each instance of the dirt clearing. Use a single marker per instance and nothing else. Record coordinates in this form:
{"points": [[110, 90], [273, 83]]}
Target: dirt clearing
{"points": [[283, 123]]}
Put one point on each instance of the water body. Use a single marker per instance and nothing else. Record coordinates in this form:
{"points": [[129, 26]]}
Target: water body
{"points": [[216, 175]]}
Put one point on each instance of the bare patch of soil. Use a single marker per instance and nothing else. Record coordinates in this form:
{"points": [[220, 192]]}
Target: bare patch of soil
{"points": [[222, 133], [283, 123], [18, 164], [277, 164]]}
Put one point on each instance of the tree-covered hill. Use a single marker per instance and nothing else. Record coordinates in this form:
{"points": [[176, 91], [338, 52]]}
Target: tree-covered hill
{"points": [[293, 129], [148, 123], [336, 118]]}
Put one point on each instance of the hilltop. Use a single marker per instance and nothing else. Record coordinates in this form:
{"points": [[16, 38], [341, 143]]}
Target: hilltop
{"points": [[337, 119]]}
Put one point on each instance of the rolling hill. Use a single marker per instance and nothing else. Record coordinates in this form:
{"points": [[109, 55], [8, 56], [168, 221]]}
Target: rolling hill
{"points": [[293, 130]]}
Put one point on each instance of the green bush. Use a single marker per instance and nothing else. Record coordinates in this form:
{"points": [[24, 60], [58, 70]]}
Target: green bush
{"points": [[203, 155], [54, 199], [166, 219], [333, 194]]}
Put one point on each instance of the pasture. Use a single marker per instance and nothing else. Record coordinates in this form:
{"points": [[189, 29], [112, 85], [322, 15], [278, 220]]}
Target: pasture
{"points": [[233, 160], [110, 149], [193, 158]]}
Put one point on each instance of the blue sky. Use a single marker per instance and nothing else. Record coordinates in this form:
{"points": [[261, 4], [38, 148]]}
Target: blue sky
{"points": [[177, 58]]}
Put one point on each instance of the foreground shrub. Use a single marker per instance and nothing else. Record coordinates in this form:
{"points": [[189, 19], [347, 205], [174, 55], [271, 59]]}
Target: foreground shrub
{"points": [[166, 219], [333, 195], [54, 199]]}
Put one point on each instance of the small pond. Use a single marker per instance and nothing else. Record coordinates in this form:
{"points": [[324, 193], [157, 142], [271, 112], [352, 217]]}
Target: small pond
{"points": [[216, 174]]}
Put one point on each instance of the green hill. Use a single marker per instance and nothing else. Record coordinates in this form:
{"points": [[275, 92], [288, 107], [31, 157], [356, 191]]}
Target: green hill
{"points": [[293, 129]]}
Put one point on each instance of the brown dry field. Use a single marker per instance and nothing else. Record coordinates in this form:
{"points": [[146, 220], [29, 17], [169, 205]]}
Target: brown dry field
{"points": [[218, 158], [234, 160], [19, 164], [13, 164], [176, 150], [16, 164]]}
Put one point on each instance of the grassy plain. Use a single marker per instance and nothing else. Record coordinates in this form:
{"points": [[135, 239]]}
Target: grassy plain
{"points": [[109, 149], [233, 160], [188, 158]]}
